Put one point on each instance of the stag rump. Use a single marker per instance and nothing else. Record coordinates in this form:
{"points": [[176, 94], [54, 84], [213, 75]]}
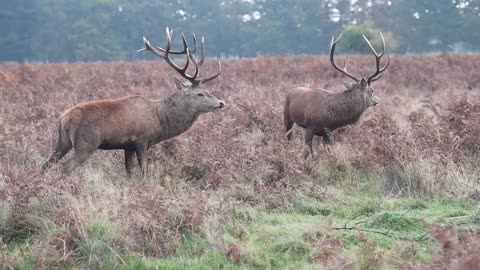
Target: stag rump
{"points": [[136, 123], [320, 111]]}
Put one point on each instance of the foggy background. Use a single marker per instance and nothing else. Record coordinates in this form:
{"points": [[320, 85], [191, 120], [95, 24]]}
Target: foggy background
{"points": [[91, 30]]}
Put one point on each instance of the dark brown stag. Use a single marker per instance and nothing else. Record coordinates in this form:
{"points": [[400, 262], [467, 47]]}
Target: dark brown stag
{"points": [[136, 123], [320, 111]]}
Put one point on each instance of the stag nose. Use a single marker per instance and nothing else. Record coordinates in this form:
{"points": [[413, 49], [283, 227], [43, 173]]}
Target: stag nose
{"points": [[222, 104]]}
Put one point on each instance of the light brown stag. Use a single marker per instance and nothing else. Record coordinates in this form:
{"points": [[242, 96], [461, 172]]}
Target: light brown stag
{"points": [[135, 123], [320, 111]]}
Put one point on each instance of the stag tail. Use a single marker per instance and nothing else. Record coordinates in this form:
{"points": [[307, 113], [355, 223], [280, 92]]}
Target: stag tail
{"points": [[287, 120], [64, 144]]}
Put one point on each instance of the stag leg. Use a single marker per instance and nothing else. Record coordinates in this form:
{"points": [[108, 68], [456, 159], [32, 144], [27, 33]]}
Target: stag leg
{"points": [[288, 126], [327, 139], [78, 159], [129, 159], [308, 143], [290, 131], [61, 149], [141, 152], [86, 142]]}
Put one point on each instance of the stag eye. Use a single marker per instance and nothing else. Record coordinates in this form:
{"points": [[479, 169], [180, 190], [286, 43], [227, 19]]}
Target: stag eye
{"points": [[200, 95]]}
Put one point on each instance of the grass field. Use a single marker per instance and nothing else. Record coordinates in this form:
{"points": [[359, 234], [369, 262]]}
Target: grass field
{"points": [[398, 190]]}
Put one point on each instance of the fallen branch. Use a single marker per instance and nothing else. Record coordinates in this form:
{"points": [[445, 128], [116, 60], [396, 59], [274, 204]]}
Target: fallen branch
{"points": [[404, 238]]}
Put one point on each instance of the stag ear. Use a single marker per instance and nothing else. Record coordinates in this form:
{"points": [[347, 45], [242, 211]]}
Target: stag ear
{"points": [[184, 86], [348, 84], [363, 85]]}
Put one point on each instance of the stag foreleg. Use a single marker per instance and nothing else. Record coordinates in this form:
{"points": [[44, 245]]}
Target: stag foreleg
{"points": [[129, 160], [327, 139], [308, 143], [141, 151], [327, 136]]}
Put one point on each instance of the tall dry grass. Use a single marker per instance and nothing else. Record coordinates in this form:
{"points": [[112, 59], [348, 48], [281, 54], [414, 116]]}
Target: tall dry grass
{"points": [[422, 139]]}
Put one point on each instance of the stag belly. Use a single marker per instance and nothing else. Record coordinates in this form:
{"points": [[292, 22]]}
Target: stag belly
{"points": [[119, 142], [306, 104], [110, 146]]}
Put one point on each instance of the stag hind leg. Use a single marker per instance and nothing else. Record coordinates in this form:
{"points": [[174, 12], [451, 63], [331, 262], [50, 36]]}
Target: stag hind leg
{"points": [[64, 144], [129, 162], [308, 149], [287, 120], [141, 151], [289, 129], [85, 143]]}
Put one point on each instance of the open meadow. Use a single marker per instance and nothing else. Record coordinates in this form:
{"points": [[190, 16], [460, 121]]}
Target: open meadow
{"points": [[400, 189]]}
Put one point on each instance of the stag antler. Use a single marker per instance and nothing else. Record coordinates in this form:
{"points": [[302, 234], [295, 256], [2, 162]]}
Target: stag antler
{"points": [[164, 53], [198, 65], [378, 58], [333, 45]]}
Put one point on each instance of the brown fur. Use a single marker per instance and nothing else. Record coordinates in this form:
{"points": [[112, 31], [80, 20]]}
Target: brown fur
{"points": [[320, 112], [136, 123], [132, 123]]}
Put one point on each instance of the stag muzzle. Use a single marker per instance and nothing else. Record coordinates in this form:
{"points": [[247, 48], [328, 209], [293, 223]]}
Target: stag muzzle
{"points": [[221, 105]]}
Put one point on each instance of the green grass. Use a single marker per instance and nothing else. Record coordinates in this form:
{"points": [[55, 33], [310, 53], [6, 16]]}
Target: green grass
{"points": [[294, 237], [283, 240], [277, 239]]}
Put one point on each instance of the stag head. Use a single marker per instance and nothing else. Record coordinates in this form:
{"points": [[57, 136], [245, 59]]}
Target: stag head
{"points": [[195, 96], [199, 99], [362, 86]]}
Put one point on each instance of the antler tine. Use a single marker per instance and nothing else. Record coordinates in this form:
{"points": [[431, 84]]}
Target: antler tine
{"points": [[203, 52], [190, 53], [184, 51], [164, 53], [333, 45], [198, 64], [167, 58], [202, 81], [197, 68], [194, 50], [378, 58], [375, 79]]}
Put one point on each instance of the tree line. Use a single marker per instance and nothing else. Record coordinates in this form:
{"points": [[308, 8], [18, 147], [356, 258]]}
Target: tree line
{"points": [[90, 30]]}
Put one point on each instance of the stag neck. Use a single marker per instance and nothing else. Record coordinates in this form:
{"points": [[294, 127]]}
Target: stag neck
{"points": [[177, 105], [352, 105], [174, 115]]}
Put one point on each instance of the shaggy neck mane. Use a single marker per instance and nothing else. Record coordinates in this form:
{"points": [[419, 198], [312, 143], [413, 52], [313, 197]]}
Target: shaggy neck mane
{"points": [[348, 106], [175, 115]]}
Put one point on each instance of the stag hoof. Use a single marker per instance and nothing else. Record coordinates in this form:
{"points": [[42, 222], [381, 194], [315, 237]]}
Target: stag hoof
{"points": [[328, 149], [307, 152], [289, 134]]}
